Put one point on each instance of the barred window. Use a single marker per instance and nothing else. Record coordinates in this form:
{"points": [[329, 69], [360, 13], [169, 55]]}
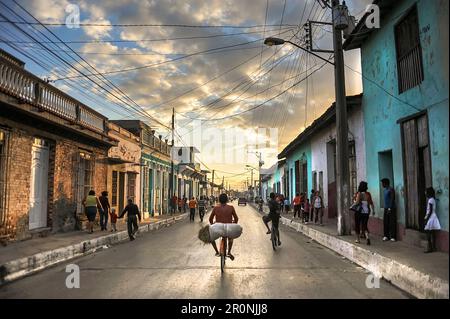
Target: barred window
{"points": [[409, 51]]}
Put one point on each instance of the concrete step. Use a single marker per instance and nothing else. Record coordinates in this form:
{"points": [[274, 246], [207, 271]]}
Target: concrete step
{"points": [[415, 238]]}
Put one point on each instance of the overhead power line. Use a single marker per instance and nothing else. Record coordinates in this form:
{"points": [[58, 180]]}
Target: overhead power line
{"points": [[159, 63], [84, 24], [150, 40]]}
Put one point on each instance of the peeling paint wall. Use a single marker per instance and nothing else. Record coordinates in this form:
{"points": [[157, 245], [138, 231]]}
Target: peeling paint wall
{"points": [[381, 110]]}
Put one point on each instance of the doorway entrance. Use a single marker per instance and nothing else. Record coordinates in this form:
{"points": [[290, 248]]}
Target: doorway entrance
{"points": [[39, 184], [417, 168]]}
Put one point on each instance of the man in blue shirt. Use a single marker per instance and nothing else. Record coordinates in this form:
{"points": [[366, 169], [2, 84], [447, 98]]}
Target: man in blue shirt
{"points": [[390, 214]]}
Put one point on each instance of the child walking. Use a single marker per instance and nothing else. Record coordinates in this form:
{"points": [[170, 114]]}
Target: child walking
{"points": [[113, 217], [306, 208], [431, 220]]}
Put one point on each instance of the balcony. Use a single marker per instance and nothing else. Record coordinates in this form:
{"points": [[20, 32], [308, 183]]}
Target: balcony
{"points": [[15, 81]]}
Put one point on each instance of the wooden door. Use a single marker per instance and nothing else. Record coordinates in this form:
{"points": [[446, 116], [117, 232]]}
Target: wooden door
{"points": [[297, 177], [121, 191], [39, 185], [417, 168]]}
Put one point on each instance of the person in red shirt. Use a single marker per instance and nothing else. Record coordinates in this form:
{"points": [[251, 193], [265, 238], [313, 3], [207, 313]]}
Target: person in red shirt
{"points": [[297, 202], [225, 214]]}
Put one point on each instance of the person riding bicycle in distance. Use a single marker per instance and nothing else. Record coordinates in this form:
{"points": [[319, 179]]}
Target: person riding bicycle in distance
{"points": [[273, 216], [225, 214]]}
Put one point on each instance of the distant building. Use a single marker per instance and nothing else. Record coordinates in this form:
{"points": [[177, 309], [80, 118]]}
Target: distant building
{"points": [[191, 179], [124, 168], [155, 167], [310, 159]]}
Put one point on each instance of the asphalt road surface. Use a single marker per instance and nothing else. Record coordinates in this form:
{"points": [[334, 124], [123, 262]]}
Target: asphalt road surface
{"points": [[173, 263]]}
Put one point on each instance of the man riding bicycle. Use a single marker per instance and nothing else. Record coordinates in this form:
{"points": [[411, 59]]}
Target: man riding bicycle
{"points": [[273, 216], [225, 214]]}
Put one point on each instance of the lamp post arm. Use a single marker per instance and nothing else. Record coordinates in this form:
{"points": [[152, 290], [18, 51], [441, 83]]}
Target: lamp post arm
{"points": [[316, 55]]}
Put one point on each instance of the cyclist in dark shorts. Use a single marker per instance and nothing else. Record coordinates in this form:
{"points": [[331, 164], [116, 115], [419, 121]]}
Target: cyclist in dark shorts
{"points": [[273, 216]]}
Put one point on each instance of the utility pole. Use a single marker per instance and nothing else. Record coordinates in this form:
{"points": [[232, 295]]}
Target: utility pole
{"points": [[261, 163], [212, 184], [171, 182], [251, 183], [342, 156]]}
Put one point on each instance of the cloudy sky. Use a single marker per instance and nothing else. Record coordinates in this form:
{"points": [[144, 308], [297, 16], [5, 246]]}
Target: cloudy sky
{"points": [[232, 95]]}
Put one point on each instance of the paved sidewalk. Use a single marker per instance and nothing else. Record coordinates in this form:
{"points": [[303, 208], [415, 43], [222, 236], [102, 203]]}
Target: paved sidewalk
{"points": [[22, 258], [406, 266], [20, 249]]}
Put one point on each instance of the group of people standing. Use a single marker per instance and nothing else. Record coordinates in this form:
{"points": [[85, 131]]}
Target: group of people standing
{"points": [[94, 204], [309, 209], [363, 206], [193, 204]]}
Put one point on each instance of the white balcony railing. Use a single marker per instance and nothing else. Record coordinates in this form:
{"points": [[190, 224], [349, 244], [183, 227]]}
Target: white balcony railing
{"points": [[17, 82]]}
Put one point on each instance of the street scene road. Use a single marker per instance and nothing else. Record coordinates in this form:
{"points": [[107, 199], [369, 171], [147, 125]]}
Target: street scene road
{"points": [[172, 263], [127, 117]]}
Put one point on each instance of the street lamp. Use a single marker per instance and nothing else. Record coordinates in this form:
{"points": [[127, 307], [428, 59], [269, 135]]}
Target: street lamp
{"points": [[277, 41]]}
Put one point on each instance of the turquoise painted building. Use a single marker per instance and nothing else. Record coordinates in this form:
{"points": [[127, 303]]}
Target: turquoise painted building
{"points": [[297, 166], [406, 109]]}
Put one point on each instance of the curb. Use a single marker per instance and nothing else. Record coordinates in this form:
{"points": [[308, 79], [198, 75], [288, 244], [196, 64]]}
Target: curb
{"points": [[15, 269], [413, 281]]}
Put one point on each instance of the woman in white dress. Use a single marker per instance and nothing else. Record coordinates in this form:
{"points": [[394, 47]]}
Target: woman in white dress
{"points": [[431, 220]]}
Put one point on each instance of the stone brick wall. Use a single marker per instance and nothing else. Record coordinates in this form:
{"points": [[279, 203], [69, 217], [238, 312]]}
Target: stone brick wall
{"points": [[18, 179], [62, 181]]}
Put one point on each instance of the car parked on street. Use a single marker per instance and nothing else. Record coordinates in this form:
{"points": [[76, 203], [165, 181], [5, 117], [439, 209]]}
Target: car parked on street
{"points": [[242, 200]]}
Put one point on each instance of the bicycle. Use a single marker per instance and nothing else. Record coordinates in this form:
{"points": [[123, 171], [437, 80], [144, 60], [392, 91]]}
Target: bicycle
{"points": [[223, 253], [274, 237]]}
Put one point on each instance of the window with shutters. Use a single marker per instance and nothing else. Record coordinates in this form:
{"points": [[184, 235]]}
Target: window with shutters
{"points": [[409, 51], [114, 189], [132, 186], [85, 180]]}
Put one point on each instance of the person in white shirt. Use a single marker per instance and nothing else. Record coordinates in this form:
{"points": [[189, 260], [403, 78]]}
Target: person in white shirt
{"points": [[318, 208], [432, 222]]}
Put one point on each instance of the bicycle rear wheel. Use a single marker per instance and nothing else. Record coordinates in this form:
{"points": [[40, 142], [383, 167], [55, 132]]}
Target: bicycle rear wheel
{"points": [[274, 239], [223, 251]]}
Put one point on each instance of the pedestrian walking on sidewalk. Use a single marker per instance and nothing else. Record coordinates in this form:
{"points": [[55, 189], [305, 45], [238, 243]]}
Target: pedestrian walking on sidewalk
{"points": [[174, 204], [432, 222], [311, 206], [192, 206], [201, 207], [305, 211], [91, 204], [180, 204], [286, 205], [390, 214], [185, 203], [132, 218], [364, 206], [113, 217], [318, 208], [296, 203], [280, 201], [104, 212]]}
